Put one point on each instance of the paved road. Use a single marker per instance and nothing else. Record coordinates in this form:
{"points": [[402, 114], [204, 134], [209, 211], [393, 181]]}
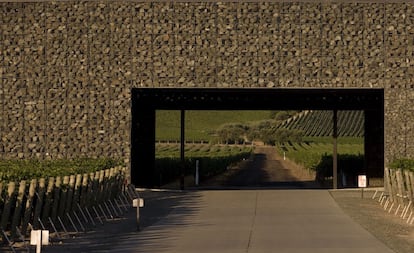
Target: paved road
{"points": [[233, 221], [238, 220], [265, 221]]}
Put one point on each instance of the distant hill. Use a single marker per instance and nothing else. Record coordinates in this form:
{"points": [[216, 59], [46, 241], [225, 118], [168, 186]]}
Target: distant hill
{"points": [[200, 125]]}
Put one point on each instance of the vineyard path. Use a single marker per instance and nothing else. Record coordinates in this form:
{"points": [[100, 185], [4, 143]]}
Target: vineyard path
{"points": [[266, 168]]}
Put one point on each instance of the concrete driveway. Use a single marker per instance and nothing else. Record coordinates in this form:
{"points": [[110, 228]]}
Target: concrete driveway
{"points": [[237, 221]]}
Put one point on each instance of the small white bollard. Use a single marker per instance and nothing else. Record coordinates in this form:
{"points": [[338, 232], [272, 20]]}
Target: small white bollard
{"points": [[139, 202], [39, 238], [197, 175]]}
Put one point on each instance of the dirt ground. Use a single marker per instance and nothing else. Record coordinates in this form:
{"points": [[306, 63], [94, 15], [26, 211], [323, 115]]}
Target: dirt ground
{"points": [[266, 168], [387, 227]]}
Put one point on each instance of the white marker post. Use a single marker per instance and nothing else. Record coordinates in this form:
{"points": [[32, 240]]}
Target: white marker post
{"points": [[362, 183], [39, 238], [197, 175], [139, 202]]}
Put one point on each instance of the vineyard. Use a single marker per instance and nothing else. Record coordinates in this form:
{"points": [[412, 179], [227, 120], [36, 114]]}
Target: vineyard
{"points": [[213, 159], [17, 170], [315, 152], [42, 194], [304, 136], [319, 123], [317, 156], [267, 126], [56, 203], [309, 154]]}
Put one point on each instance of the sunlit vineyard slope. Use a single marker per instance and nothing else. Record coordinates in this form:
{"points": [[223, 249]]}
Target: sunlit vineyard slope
{"points": [[319, 123]]}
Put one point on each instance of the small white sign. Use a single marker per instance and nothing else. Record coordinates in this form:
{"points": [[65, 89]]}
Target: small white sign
{"points": [[45, 237], [138, 202], [362, 181], [39, 237], [35, 236]]}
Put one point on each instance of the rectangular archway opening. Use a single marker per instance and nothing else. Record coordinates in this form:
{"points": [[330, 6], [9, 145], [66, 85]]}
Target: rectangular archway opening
{"points": [[146, 102]]}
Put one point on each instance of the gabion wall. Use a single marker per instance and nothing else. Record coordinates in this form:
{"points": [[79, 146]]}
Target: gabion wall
{"points": [[67, 67]]}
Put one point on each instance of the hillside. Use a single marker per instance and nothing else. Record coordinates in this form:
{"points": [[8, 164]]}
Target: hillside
{"points": [[319, 123], [200, 125]]}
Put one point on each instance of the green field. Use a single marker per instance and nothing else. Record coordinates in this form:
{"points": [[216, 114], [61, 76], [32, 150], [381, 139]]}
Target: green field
{"points": [[213, 160], [199, 125], [310, 154]]}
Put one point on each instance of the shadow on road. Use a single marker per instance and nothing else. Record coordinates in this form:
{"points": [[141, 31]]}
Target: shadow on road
{"points": [[163, 209], [251, 173]]}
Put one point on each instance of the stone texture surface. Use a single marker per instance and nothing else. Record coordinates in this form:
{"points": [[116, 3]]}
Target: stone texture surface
{"points": [[67, 67]]}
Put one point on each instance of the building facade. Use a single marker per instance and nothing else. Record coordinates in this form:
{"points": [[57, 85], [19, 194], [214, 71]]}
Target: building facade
{"points": [[67, 67]]}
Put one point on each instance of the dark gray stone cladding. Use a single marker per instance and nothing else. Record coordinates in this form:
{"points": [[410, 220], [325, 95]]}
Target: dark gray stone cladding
{"points": [[67, 67]]}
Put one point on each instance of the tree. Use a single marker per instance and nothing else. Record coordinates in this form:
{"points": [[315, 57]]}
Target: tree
{"points": [[232, 133], [282, 115], [267, 131]]}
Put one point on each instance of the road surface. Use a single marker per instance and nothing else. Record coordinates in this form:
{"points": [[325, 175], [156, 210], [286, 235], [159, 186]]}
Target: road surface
{"points": [[267, 219]]}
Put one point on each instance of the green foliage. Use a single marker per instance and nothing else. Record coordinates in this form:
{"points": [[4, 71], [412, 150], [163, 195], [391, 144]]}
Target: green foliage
{"points": [[282, 115], [317, 156], [358, 141], [261, 130], [213, 160], [201, 125], [232, 133], [16, 170], [283, 135], [403, 163], [309, 153], [351, 165], [268, 132]]}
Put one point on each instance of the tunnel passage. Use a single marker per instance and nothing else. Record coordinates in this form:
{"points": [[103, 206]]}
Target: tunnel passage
{"points": [[145, 102]]}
